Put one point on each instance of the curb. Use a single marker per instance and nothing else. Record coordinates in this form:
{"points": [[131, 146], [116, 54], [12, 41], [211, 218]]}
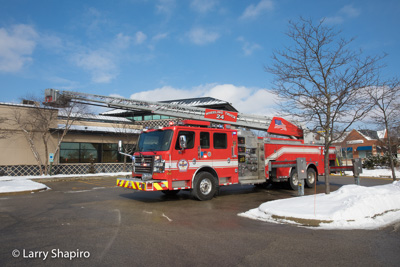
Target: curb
{"points": [[73, 178], [24, 192]]}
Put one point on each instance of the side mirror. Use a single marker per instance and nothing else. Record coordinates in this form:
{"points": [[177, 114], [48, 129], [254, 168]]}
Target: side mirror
{"points": [[182, 142], [120, 146], [121, 150]]}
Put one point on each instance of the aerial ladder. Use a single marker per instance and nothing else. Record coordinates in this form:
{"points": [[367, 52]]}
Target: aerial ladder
{"points": [[60, 98]]}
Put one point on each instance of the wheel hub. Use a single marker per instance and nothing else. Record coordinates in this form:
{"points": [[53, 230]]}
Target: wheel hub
{"points": [[205, 186]]}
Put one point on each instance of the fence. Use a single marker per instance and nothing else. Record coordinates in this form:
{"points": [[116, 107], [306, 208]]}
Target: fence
{"points": [[81, 168]]}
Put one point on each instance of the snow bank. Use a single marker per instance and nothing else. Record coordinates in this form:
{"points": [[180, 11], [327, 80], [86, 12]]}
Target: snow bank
{"points": [[9, 184], [20, 186], [350, 207]]}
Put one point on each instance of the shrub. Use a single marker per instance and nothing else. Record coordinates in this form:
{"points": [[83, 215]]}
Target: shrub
{"points": [[375, 161]]}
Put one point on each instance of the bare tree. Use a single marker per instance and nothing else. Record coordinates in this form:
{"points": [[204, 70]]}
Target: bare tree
{"points": [[40, 124], [322, 81], [3, 132], [386, 112], [69, 114], [34, 125]]}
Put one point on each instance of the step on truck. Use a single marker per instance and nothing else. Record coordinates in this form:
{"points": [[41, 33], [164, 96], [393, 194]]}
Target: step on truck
{"points": [[209, 148]]}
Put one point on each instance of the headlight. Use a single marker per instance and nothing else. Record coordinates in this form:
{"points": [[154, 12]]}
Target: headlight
{"points": [[159, 164]]}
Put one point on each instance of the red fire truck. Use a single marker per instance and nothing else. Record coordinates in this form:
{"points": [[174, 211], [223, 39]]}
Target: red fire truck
{"points": [[210, 148]]}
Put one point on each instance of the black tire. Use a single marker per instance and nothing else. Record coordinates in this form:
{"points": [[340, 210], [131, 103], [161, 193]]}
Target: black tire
{"points": [[293, 180], [170, 192], [311, 178], [204, 186]]}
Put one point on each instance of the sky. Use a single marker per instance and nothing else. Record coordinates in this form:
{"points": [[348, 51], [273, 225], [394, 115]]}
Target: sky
{"points": [[172, 49]]}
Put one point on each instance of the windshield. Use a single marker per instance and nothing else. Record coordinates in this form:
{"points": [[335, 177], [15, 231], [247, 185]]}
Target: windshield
{"points": [[155, 141]]}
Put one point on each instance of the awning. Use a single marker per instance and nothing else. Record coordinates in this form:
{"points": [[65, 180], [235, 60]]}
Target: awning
{"points": [[364, 148]]}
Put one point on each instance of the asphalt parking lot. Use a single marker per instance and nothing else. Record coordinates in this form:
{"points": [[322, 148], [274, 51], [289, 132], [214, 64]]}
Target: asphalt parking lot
{"points": [[93, 222]]}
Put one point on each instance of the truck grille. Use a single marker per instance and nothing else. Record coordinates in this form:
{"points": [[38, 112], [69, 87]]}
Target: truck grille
{"points": [[143, 164]]}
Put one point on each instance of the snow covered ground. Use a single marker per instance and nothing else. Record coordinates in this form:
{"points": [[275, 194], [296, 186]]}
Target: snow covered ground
{"points": [[14, 184], [350, 207]]}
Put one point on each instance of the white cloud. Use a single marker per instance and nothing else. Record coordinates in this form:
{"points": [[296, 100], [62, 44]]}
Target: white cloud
{"points": [[253, 11], [165, 6], [165, 93], [248, 48], [122, 41], [99, 63], [16, 47], [200, 36], [203, 6], [334, 20], [159, 37], [345, 13], [350, 11], [140, 37], [244, 99]]}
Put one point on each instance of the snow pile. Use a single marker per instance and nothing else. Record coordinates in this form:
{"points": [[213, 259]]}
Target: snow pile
{"points": [[350, 207], [11, 184], [20, 186], [383, 173]]}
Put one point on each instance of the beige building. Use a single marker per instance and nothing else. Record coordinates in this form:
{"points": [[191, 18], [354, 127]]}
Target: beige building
{"points": [[91, 141]]}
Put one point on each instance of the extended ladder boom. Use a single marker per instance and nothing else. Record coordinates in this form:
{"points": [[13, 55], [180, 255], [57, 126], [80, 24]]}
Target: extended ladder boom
{"points": [[63, 98]]}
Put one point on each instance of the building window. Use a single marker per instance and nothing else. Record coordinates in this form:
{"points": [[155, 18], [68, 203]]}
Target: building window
{"points": [[89, 152], [364, 151], [69, 153], [347, 152], [138, 118], [110, 153]]}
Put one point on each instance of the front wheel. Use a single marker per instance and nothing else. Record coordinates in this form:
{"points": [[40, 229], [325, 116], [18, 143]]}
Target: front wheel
{"points": [[311, 178], [204, 186]]}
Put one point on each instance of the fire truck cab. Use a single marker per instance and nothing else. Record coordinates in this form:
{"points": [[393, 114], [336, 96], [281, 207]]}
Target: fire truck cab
{"points": [[189, 156]]}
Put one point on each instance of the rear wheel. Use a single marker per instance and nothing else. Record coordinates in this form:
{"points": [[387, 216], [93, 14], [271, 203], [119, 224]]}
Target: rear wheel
{"points": [[204, 186], [311, 178], [294, 179]]}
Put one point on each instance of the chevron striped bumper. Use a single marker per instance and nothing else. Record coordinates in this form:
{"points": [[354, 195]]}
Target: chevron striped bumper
{"points": [[137, 184]]}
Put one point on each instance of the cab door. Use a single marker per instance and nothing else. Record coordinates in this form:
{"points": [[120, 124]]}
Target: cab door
{"points": [[186, 163], [224, 156]]}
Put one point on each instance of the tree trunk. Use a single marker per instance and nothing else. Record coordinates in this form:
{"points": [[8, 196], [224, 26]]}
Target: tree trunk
{"points": [[391, 158], [327, 171], [389, 143]]}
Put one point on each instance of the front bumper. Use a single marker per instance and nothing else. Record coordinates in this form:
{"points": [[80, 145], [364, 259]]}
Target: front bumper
{"points": [[138, 184]]}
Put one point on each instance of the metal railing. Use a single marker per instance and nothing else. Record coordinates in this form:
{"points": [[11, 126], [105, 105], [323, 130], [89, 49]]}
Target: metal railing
{"points": [[81, 168]]}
